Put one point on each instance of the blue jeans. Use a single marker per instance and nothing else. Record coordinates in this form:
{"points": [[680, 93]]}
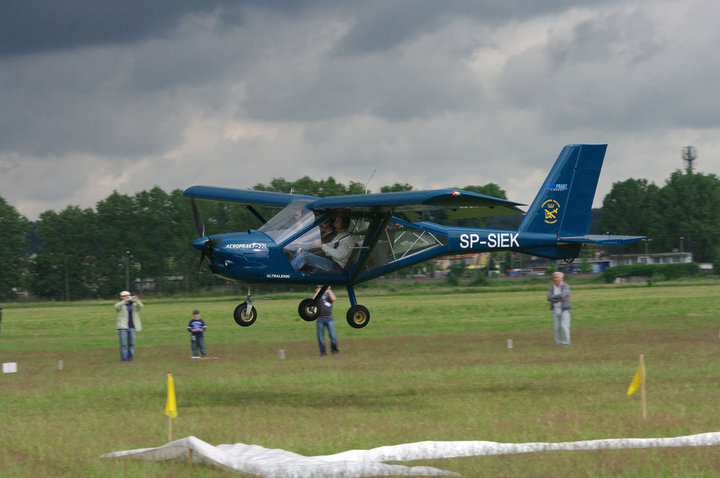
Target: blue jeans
{"points": [[127, 344], [328, 322], [197, 342], [317, 263]]}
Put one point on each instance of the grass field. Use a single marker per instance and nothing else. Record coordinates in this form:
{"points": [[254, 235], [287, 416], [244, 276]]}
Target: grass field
{"points": [[431, 365]]}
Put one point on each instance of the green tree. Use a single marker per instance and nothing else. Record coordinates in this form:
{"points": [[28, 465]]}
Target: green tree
{"points": [[688, 205], [490, 189], [311, 187], [65, 267], [396, 188], [117, 236], [630, 208], [14, 241]]}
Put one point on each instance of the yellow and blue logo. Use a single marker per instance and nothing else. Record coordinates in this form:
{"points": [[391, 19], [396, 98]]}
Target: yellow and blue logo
{"points": [[551, 208]]}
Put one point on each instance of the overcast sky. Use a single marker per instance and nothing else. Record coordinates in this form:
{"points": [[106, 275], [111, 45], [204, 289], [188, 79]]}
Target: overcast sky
{"points": [[101, 95]]}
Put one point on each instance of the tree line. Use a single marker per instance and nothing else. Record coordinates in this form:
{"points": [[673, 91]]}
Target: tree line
{"points": [[143, 241], [681, 215], [130, 242]]}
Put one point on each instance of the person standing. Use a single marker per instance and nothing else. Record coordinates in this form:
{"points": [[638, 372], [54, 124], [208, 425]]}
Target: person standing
{"points": [[559, 298], [128, 322], [197, 328], [325, 320]]}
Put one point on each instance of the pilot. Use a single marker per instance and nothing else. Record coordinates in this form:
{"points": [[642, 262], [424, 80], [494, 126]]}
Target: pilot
{"points": [[338, 249]]}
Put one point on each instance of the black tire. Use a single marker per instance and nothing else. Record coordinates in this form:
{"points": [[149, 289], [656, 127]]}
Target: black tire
{"points": [[358, 316], [241, 316], [308, 310]]}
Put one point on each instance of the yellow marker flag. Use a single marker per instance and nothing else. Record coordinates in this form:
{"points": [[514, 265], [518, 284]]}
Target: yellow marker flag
{"points": [[171, 405], [638, 379]]}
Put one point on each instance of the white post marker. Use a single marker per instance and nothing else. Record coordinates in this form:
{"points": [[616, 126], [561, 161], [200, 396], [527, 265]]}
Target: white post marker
{"points": [[10, 367], [510, 344], [282, 354], [60, 364]]}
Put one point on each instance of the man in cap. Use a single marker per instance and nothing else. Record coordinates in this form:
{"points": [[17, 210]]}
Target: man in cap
{"points": [[128, 322]]}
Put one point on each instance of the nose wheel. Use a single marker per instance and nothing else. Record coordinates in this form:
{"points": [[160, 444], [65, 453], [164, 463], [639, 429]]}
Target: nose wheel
{"points": [[245, 314]]}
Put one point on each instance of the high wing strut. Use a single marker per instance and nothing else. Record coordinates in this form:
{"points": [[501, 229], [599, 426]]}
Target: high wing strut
{"points": [[378, 226], [256, 214]]}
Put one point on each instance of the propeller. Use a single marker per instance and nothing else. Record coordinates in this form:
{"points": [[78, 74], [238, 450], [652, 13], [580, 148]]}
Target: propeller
{"points": [[198, 219], [200, 225]]}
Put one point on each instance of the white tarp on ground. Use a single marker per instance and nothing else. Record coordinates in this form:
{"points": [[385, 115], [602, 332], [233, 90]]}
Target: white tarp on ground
{"points": [[264, 462]]}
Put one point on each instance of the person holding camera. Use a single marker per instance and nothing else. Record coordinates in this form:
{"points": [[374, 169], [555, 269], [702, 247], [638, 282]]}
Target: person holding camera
{"points": [[128, 322], [325, 321], [559, 298]]}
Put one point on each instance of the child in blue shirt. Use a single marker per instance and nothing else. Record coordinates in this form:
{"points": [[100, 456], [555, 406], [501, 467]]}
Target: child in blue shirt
{"points": [[197, 327]]}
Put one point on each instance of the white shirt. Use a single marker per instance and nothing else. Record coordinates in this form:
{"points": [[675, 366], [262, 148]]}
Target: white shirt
{"points": [[339, 248]]}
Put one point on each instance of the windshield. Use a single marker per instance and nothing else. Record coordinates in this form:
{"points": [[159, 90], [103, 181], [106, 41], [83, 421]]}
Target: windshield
{"points": [[289, 221]]}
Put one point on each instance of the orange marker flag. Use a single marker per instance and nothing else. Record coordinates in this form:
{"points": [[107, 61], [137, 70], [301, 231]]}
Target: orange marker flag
{"points": [[171, 405]]}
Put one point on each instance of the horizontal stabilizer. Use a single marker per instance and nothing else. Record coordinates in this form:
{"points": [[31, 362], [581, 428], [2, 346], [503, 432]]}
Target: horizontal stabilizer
{"points": [[605, 239]]}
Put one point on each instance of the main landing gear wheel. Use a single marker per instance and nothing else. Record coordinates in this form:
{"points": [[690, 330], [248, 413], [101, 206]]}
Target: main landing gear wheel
{"points": [[358, 316], [308, 310], [241, 316]]}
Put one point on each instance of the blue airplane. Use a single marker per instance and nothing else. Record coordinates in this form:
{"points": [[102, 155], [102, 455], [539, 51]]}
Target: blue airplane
{"points": [[346, 240]]}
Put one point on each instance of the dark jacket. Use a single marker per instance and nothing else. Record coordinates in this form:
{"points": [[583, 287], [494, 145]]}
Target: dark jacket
{"points": [[197, 324]]}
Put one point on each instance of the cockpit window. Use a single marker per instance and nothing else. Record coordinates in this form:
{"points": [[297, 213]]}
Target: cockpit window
{"points": [[289, 221]]}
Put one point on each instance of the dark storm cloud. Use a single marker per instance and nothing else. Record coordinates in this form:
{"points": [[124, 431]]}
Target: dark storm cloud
{"points": [[126, 94], [36, 26], [617, 72], [388, 24]]}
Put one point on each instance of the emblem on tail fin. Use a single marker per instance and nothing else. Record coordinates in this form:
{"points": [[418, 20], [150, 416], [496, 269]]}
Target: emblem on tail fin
{"points": [[551, 208]]}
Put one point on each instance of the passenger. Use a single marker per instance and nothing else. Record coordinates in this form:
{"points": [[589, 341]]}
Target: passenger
{"points": [[338, 250]]}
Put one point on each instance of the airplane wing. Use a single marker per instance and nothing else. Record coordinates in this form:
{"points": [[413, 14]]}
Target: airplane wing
{"points": [[454, 203], [245, 196], [461, 203]]}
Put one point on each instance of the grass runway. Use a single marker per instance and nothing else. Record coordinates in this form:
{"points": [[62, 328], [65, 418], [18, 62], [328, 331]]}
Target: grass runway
{"points": [[431, 365]]}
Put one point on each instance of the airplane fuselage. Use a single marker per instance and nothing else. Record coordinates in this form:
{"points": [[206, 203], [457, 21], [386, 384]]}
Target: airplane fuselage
{"points": [[254, 256]]}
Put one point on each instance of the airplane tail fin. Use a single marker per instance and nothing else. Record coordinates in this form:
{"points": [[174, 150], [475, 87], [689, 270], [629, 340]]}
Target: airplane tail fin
{"points": [[562, 206]]}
